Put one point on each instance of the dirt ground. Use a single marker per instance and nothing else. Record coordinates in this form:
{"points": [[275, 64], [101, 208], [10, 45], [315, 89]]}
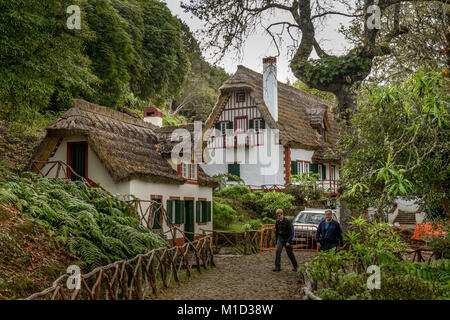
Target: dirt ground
{"points": [[242, 278]]}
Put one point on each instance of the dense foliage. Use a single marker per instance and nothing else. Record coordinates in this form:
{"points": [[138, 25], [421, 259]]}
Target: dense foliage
{"points": [[400, 146], [127, 52], [249, 209], [92, 223], [343, 274]]}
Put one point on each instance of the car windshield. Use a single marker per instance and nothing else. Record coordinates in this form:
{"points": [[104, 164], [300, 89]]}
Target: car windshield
{"points": [[308, 217]]}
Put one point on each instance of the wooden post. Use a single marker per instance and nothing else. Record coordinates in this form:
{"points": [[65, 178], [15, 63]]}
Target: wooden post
{"points": [[245, 242]]}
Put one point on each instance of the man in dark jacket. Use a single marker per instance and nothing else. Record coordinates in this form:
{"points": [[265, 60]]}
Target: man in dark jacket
{"points": [[284, 231], [329, 233]]}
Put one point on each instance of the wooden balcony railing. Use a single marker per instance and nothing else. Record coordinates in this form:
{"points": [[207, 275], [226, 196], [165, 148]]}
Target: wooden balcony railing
{"points": [[236, 139]]}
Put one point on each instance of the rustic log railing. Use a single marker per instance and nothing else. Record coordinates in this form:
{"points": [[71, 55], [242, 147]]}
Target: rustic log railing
{"points": [[242, 242], [138, 278]]}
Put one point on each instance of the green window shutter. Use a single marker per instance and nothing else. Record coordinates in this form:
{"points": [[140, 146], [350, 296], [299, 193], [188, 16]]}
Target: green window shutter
{"points": [[294, 168], [263, 124], [251, 124], [324, 171], [208, 215], [234, 168], [217, 125], [197, 211], [170, 210], [314, 168], [204, 211], [179, 211], [230, 125]]}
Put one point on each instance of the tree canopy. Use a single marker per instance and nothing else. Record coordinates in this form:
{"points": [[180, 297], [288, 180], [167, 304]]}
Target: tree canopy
{"points": [[228, 23], [126, 52]]}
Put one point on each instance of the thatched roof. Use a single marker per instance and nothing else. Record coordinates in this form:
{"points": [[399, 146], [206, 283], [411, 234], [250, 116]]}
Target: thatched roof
{"points": [[166, 147], [299, 113], [129, 148]]}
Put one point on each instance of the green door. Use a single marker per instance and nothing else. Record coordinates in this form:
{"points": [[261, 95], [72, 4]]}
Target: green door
{"points": [[156, 212], [189, 223]]}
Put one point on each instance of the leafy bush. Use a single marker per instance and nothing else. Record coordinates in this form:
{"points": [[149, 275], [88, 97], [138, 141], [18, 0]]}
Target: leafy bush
{"points": [[224, 215], [271, 201], [440, 244], [92, 223], [342, 274], [254, 224], [233, 192]]}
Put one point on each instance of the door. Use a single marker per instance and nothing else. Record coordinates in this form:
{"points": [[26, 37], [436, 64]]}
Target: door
{"points": [[189, 223], [156, 214], [77, 160]]}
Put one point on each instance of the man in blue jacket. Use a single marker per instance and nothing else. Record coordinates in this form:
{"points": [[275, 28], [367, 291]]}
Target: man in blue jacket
{"points": [[329, 233], [284, 231]]}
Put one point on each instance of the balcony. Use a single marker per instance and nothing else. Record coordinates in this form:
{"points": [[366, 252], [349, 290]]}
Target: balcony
{"points": [[236, 139]]}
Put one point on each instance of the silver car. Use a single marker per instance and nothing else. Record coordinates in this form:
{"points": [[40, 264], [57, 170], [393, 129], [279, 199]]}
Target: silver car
{"points": [[305, 227]]}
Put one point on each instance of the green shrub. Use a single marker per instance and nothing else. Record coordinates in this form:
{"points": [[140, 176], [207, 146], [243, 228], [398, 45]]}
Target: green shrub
{"points": [[254, 224], [224, 215], [92, 223], [233, 192], [440, 244], [271, 201]]}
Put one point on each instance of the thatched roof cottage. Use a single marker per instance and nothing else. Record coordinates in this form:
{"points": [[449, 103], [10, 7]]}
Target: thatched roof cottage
{"points": [[127, 155], [249, 105]]}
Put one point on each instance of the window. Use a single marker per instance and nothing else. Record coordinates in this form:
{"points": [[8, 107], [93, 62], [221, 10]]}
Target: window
{"points": [[77, 159], [223, 127], [299, 167], [257, 124], [333, 173], [175, 211], [193, 173], [240, 97], [235, 169], [156, 212], [189, 171], [203, 211], [185, 170], [323, 133]]}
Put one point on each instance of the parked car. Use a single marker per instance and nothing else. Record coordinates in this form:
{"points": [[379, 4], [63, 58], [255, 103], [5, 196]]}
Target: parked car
{"points": [[305, 227]]}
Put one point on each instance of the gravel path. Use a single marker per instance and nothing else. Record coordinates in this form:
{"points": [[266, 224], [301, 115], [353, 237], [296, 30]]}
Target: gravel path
{"points": [[242, 278]]}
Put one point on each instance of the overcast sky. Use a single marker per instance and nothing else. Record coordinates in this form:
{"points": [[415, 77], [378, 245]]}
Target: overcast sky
{"points": [[258, 46]]}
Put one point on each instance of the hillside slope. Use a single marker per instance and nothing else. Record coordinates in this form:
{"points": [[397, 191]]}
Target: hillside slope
{"points": [[30, 258]]}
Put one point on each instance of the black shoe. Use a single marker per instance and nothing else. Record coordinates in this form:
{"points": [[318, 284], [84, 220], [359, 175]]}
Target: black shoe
{"points": [[276, 270]]}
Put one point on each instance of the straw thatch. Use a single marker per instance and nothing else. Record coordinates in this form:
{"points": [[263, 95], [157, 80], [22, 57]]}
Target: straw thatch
{"points": [[129, 148], [167, 144], [299, 113]]}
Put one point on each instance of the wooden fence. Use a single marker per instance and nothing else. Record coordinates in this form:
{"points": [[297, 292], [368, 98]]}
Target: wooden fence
{"points": [[137, 278], [240, 242]]}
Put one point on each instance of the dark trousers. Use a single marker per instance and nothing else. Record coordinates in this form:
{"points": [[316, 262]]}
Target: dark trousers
{"points": [[289, 251], [328, 246]]}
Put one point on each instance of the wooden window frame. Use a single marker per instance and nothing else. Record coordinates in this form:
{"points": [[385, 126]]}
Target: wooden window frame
{"points": [[239, 94], [69, 157]]}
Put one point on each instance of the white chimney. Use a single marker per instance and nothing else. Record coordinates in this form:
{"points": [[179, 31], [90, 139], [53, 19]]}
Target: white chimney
{"points": [[270, 85], [154, 116]]}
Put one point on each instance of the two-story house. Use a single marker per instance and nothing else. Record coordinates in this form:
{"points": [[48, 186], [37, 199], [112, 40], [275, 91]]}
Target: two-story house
{"points": [[264, 131]]}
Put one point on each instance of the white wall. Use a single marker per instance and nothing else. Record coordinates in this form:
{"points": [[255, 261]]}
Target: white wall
{"points": [[257, 166], [141, 189], [300, 154], [144, 190], [96, 170]]}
